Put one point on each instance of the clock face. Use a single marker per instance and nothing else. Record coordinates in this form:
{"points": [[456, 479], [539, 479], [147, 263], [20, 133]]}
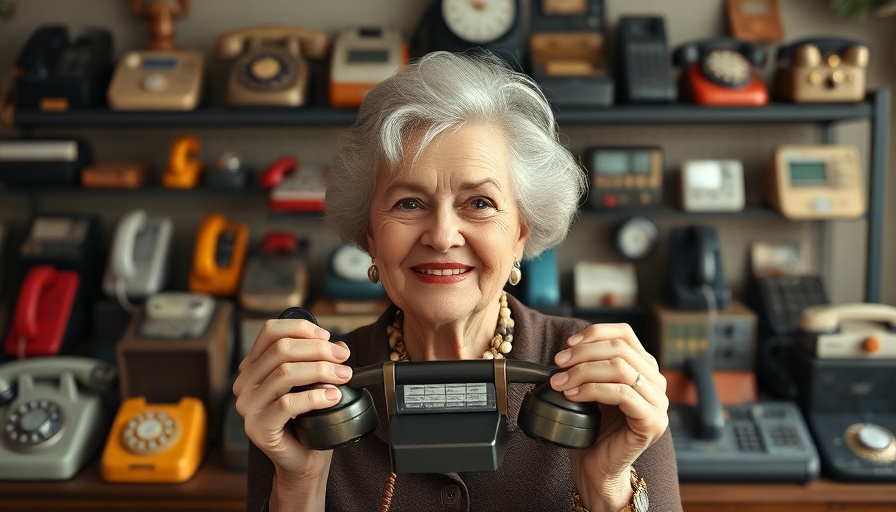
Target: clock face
{"points": [[636, 237], [351, 263], [479, 21]]}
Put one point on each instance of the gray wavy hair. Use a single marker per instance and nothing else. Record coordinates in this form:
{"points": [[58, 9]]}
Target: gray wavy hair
{"points": [[442, 91]]}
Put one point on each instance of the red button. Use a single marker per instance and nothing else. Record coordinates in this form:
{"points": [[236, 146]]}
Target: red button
{"points": [[609, 201]]}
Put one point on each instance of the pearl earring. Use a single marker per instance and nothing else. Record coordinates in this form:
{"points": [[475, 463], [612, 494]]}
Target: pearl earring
{"points": [[373, 273], [515, 273]]}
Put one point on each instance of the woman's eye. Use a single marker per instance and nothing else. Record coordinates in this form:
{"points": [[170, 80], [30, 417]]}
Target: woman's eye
{"points": [[480, 204], [408, 204]]}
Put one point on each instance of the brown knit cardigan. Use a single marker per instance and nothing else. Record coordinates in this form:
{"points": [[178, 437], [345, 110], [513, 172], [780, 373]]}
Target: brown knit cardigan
{"points": [[534, 476]]}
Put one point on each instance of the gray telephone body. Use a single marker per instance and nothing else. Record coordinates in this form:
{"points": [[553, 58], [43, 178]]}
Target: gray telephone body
{"points": [[52, 416]]}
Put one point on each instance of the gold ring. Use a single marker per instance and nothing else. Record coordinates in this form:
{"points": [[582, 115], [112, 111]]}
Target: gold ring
{"points": [[637, 380]]}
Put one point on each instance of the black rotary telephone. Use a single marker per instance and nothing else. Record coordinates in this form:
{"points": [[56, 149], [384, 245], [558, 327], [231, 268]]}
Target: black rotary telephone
{"points": [[448, 416]]}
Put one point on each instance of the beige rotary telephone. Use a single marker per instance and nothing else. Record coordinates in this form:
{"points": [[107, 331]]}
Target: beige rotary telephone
{"points": [[270, 67]]}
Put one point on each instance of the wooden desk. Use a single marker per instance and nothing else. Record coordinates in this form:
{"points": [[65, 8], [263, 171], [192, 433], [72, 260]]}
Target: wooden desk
{"points": [[214, 489]]}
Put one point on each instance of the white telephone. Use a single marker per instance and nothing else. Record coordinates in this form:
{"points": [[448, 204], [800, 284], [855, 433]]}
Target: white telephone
{"points": [[138, 265]]}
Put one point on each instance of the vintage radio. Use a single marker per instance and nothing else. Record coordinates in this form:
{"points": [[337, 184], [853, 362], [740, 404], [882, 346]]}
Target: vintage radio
{"points": [[625, 177]]}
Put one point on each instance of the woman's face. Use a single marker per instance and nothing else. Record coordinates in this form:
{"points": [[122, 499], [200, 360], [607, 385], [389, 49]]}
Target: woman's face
{"points": [[444, 231]]}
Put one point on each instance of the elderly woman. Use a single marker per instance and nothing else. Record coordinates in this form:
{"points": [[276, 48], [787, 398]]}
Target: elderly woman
{"points": [[451, 175]]}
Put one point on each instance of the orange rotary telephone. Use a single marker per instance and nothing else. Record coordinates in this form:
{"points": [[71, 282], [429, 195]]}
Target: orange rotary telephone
{"points": [[721, 71], [41, 318], [155, 442], [219, 255], [184, 168], [824, 70], [270, 67]]}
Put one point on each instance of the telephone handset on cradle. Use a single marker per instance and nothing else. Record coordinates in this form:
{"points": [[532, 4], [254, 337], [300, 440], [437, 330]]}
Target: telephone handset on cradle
{"points": [[270, 67], [52, 414], [40, 323], [56, 75], [459, 424], [184, 168], [138, 265], [721, 71], [849, 331], [697, 279], [219, 255], [822, 70]]}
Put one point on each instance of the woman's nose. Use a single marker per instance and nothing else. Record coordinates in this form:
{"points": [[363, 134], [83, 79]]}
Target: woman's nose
{"points": [[443, 231]]}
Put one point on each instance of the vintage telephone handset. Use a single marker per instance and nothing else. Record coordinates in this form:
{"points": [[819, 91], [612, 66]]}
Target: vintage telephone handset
{"points": [[466, 432]]}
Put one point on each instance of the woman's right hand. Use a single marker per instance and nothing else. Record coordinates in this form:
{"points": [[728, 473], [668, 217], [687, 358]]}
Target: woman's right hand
{"points": [[289, 353]]}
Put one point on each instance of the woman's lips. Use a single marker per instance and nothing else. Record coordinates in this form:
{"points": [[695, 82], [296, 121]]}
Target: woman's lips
{"points": [[441, 272]]}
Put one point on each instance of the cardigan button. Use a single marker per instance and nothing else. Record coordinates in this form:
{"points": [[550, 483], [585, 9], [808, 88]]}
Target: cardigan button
{"points": [[451, 496]]}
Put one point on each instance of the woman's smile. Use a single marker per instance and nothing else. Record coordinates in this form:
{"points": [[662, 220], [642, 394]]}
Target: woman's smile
{"points": [[442, 273]]}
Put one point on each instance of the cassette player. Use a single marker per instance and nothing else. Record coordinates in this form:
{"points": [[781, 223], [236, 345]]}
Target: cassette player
{"points": [[849, 331]]}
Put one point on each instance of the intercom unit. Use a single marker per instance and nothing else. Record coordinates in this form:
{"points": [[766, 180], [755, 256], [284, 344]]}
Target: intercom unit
{"points": [[850, 408], [42, 163], [645, 65], [727, 338], [815, 181], [53, 415], [138, 263], [56, 74], [270, 66], [448, 416], [568, 52], [721, 72], [157, 80], [363, 57], [155, 442], [277, 277], [712, 186], [625, 177], [849, 331], [188, 338], [219, 255], [826, 70]]}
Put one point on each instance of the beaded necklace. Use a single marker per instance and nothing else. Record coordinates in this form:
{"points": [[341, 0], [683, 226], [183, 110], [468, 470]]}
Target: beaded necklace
{"points": [[501, 343]]}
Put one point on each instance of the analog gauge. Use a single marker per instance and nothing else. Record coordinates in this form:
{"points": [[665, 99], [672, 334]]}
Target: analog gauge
{"points": [[351, 263], [479, 21], [636, 237]]}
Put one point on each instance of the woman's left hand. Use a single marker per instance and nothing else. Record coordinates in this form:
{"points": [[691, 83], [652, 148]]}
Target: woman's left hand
{"points": [[606, 363]]}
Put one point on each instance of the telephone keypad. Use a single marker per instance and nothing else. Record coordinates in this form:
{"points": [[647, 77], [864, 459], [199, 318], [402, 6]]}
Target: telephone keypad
{"points": [[787, 296], [150, 432], [33, 423]]}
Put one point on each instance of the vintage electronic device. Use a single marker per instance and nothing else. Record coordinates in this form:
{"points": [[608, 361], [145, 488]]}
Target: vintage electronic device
{"points": [[448, 416], [342, 316], [495, 26], [625, 177], [40, 324], [53, 415], [541, 286], [850, 409], [722, 433], [605, 285], [228, 173], [346, 277], [58, 75], [184, 168], [363, 57], [721, 72], [696, 275], [635, 237], [756, 21], [810, 181], [645, 73], [568, 52], [277, 277], [138, 263], [849, 331], [188, 338], [155, 442], [218, 257], [293, 187], [712, 186], [157, 80], [42, 163], [826, 70], [116, 174], [726, 338], [270, 66]]}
